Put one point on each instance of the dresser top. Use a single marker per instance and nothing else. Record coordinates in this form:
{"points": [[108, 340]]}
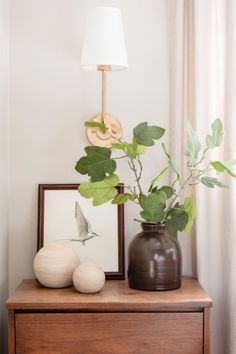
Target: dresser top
{"points": [[116, 296]]}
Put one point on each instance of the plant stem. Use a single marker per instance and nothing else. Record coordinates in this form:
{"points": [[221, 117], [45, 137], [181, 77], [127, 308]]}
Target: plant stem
{"points": [[120, 157], [132, 190], [174, 182], [141, 168], [204, 171], [185, 183], [202, 158], [177, 195], [137, 177]]}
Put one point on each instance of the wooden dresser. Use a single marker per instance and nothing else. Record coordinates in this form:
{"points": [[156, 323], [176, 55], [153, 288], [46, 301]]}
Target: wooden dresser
{"points": [[118, 320]]}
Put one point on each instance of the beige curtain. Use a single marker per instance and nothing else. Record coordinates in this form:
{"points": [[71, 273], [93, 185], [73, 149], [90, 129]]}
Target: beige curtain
{"points": [[203, 87]]}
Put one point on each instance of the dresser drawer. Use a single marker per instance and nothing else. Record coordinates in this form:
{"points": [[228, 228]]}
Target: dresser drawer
{"points": [[109, 333]]}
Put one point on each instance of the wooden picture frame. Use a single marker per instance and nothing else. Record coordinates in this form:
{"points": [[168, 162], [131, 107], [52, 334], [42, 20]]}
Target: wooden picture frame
{"points": [[54, 204]]}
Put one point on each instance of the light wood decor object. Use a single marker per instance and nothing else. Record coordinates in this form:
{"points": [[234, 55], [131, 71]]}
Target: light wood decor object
{"points": [[114, 129], [116, 320]]}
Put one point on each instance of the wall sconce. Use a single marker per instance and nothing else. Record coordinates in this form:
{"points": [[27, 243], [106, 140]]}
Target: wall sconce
{"points": [[104, 50]]}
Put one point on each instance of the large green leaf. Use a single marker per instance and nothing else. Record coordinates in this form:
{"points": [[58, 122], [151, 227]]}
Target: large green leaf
{"points": [[101, 192], [189, 207], [223, 167], [154, 207], [169, 191], [212, 182], [192, 146], [217, 136], [123, 198], [176, 221], [97, 164], [142, 200], [145, 135]]}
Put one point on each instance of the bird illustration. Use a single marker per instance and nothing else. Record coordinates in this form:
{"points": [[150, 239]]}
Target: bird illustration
{"points": [[85, 232]]}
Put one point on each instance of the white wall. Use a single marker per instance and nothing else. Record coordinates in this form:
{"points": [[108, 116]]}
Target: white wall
{"points": [[4, 71], [51, 97]]}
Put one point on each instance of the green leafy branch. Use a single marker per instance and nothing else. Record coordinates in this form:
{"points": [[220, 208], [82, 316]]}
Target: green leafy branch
{"points": [[158, 203]]}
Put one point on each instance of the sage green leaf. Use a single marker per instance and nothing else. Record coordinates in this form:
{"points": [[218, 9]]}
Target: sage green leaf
{"points": [[97, 164], [145, 135], [154, 207], [157, 178], [192, 146], [223, 167], [99, 125], [166, 152], [221, 184], [123, 198], [173, 166], [207, 182], [169, 191], [217, 136], [230, 163], [177, 219], [102, 191], [189, 207], [212, 182]]}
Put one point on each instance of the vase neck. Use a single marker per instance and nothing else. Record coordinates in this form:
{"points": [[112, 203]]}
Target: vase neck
{"points": [[159, 228]]}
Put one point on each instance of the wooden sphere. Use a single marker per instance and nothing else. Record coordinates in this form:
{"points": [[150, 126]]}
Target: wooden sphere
{"points": [[54, 265], [89, 278]]}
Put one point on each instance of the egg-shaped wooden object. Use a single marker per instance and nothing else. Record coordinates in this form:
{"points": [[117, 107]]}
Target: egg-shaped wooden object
{"points": [[89, 278], [54, 265]]}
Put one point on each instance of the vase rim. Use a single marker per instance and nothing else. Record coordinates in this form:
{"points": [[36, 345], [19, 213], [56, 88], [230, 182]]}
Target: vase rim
{"points": [[153, 226]]}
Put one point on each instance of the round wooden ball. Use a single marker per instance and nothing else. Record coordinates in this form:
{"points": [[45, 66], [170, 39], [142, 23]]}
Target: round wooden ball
{"points": [[89, 278], [54, 265]]}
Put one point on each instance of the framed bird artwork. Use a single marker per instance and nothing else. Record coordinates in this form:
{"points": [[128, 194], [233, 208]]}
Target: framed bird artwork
{"points": [[95, 232]]}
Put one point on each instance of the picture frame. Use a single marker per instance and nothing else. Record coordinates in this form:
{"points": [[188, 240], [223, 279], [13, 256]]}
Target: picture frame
{"points": [[60, 211]]}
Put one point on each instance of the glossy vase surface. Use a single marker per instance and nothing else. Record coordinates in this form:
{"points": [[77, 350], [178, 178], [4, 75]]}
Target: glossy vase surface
{"points": [[155, 261]]}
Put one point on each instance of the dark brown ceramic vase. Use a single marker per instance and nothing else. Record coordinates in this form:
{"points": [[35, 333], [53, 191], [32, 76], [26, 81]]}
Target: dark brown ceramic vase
{"points": [[155, 260]]}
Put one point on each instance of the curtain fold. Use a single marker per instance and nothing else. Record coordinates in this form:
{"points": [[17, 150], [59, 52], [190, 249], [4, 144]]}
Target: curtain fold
{"points": [[202, 37], [181, 79]]}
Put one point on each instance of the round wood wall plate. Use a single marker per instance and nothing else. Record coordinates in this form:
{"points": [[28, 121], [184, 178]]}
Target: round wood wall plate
{"points": [[114, 133]]}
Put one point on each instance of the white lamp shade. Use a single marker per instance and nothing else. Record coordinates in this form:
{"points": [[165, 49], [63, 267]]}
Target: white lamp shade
{"points": [[104, 42]]}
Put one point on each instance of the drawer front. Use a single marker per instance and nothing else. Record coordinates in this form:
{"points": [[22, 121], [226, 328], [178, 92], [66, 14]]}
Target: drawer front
{"points": [[109, 333]]}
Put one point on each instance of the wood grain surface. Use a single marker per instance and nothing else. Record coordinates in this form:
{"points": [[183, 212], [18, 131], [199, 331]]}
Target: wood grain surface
{"points": [[109, 333], [11, 331], [207, 331], [118, 320], [116, 296]]}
